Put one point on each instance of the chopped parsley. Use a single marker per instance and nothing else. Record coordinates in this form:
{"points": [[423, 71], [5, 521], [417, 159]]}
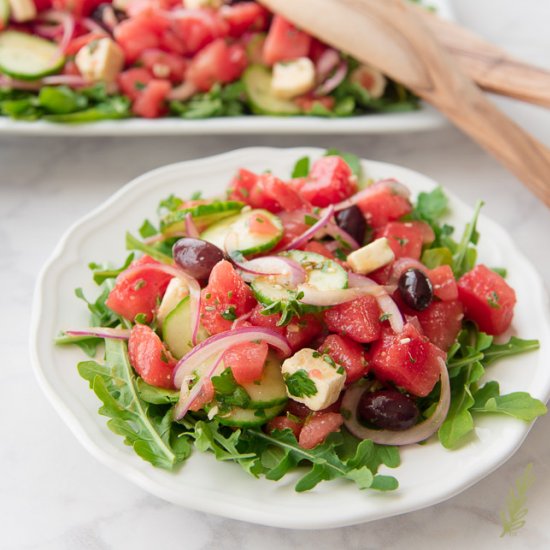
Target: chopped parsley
{"points": [[299, 384], [492, 300], [229, 313]]}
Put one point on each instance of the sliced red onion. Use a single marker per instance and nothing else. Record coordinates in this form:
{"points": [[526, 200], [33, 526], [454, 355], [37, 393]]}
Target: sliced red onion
{"points": [[188, 397], [92, 26], [67, 23], [72, 80], [190, 226], [237, 322], [193, 360], [420, 432], [385, 301], [48, 31], [394, 186], [192, 284], [19, 84], [306, 236], [326, 63], [332, 81], [101, 332], [323, 298], [336, 232], [183, 92]]}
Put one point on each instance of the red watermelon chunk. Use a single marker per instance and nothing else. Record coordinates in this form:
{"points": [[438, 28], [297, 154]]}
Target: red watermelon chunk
{"points": [[318, 427], [284, 42], [358, 320], [382, 205], [225, 297], [441, 322], [150, 359], [408, 360], [348, 354], [404, 238], [246, 361], [443, 283], [282, 423], [138, 293], [488, 299]]}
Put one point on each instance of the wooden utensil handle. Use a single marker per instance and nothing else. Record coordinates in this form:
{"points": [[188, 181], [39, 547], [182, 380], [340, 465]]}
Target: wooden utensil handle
{"points": [[488, 65], [391, 36]]}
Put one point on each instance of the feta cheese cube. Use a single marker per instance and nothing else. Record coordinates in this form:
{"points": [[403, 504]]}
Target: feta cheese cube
{"points": [[176, 291], [293, 78], [22, 10], [371, 257], [313, 379], [100, 60]]}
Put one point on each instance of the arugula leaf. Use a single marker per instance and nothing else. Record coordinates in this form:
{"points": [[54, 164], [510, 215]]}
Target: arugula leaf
{"points": [[435, 257], [170, 204], [135, 244], [299, 384], [101, 315], [465, 256], [147, 229], [516, 404], [432, 206], [61, 100], [352, 160], [301, 168], [148, 429], [154, 395], [229, 394], [102, 272], [514, 346], [88, 344]]}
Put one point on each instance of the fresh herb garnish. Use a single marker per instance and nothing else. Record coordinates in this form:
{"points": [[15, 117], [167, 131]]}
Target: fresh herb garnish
{"points": [[299, 384]]}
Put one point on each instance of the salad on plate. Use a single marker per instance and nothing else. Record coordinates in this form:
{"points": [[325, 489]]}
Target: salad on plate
{"points": [[87, 60], [312, 324]]}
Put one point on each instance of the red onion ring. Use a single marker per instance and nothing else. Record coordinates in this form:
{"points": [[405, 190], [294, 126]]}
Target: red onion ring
{"points": [[73, 80], [324, 298], [401, 265], [326, 63], [420, 432], [336, 232], [195, 358], [385, 301], [192, 284], [187, 397], [394, 186], [307, 235], [332, 81], [190, 227], [101, 332], [48, 31], [67, 23], [19, 84], [92, 26]]}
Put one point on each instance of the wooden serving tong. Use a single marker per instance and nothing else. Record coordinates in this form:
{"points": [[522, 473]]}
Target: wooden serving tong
{"points": [[399, 40]]}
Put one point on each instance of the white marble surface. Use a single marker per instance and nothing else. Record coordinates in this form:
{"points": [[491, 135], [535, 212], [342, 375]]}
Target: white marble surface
{"points": [[53, 495]]}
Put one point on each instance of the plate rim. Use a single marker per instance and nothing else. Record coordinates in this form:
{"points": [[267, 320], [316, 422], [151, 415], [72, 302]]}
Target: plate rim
{"points": [[137, 475]]}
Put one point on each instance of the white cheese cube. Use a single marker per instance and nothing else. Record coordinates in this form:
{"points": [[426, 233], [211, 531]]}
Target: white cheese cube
{"points": [[371, 79], [176, 291], [293, 78], [100, 60], [313, 379], [121, 4], [22, 10], [371, 257], [194, 4]]}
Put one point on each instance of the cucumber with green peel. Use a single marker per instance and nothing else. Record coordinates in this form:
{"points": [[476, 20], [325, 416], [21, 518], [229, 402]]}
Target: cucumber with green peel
{"points": [[249, 418], [203, 216], [321, 274], [248, 243], [177, 331], [270, 390], [4, 13], [257, 82], [28, 57]]}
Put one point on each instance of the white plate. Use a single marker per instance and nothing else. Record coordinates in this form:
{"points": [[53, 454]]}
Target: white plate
{"points": [[426, 118], [428, 473]]}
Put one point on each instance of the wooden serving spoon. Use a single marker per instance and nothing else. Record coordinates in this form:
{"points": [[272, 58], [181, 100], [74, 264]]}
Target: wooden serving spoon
{"points": [[392, 37]]}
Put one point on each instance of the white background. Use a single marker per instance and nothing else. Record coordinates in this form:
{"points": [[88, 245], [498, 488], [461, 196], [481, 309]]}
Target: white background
{"points": [[53, 495]]}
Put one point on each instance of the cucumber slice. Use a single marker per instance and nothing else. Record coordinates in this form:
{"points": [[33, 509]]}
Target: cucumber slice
{"points": [[270, 390], [203, 215], [257, 81], [321, 274], [28, 57], [249, 418], [249, 243], [4, 12], [176, 330]]}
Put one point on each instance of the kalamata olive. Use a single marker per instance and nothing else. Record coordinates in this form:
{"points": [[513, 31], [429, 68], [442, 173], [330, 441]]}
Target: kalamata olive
{"points": [[107, 16], [415, 289], [352, 221], [388, 410], [196, 256]]}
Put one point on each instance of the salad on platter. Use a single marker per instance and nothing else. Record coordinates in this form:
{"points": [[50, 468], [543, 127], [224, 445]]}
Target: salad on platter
{"points": [[87, 60], [312, 324]]}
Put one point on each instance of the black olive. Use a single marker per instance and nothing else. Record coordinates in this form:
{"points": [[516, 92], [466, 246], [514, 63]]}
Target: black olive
{"points": [[107, 16], [196, 257], [415, 289], [388, 410], [352, 221]]}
